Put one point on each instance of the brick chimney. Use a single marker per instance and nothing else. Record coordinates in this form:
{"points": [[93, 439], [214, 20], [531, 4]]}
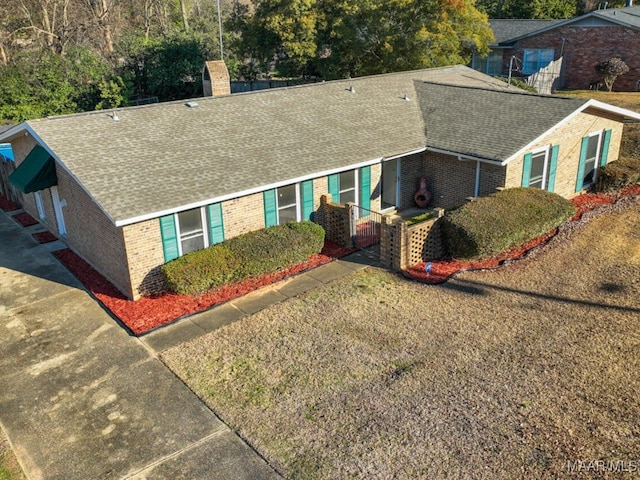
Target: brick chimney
{"points": [[215, 79]]}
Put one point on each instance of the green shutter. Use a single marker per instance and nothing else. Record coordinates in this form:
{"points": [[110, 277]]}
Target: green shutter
{"points": [[306, 190], [583, 158], [553, 166], [216, 225], [605, 148], [526, 169], [270, 208], [169, 238], [365, 187], [334, 187]]}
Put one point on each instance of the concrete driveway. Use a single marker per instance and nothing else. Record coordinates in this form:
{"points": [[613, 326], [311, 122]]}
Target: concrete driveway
{"points": [[81, 399]]}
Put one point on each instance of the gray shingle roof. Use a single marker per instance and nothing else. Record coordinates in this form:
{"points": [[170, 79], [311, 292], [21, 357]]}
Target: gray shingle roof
{"points": [[165, 156], [496, 126], [507, 29]]}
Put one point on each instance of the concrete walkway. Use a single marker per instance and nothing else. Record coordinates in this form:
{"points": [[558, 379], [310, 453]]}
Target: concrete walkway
{"points": [[81, 399]]}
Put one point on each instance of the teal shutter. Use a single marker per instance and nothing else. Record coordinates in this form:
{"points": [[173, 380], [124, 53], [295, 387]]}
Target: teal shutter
{"points": [[306, 191], [526, 169], [216, 225], [583, 158], [169, 238], [270, 208], [553, 166], [605, 148], [334, 187], [365, 187]]}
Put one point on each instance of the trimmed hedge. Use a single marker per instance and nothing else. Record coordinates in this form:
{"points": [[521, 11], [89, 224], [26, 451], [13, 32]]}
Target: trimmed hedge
{"points": [[242, 257], [489, 225], [619, 174]]}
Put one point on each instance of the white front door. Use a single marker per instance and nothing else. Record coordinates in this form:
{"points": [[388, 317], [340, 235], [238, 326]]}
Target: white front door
{"points": [[389, 188], [57, 207]]}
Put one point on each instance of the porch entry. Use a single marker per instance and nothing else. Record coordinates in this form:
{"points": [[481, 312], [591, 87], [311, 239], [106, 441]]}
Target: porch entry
{"points": [[389, 184], [365, 227]]}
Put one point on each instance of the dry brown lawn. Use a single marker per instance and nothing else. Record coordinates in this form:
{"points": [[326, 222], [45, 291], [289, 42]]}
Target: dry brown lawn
{"points": [[500, 374]]}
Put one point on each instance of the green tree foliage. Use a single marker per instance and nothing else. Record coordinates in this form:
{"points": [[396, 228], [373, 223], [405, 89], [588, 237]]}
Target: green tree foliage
{"points": [[530, 8], [34, 86], [611, 69], [340, 38], [168, 68]]}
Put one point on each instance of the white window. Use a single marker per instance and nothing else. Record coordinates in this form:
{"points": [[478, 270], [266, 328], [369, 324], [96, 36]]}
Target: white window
{"points": [[347, 187], [539, 173], [591, 159], [536, 58], [288, 201], [189, 225], [491, 64]]}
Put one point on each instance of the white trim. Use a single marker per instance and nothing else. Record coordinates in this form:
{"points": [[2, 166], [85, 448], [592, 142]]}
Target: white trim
{"points": [[476, 192], [204, 222], [596, 160], [410, 152], [296, 187], [243, 193], [42, 214]]}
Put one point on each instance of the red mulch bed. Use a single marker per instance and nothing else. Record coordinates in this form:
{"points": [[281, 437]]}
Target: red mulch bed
{"points": [[147, 313], [442, 269], [44, 237], [8, 205], [25, 219]]}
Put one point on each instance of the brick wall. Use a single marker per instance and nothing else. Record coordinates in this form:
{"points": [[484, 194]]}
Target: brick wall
{"points": [[569, 138], [242, 215], [583, 48], [449, 180], [412, 167], [92, 235]]}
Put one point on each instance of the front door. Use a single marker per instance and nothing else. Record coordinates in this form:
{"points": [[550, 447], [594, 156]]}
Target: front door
{"points": [[389, 188], [57, 207]]}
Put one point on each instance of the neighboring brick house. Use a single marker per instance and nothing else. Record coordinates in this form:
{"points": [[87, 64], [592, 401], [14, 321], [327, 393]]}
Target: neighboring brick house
{"points": [[582, 42], [133, 188]]}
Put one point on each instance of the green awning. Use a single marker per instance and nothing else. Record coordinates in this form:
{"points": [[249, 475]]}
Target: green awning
{"points": [[36, 172]]}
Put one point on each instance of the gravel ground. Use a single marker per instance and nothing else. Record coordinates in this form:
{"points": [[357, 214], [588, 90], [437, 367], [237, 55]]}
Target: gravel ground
{"points": [[527, 371]]}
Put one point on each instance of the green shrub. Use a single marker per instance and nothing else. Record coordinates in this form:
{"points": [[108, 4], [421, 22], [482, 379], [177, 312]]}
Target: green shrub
{"points": [[242, 257], [618, 174], [489, 225]]}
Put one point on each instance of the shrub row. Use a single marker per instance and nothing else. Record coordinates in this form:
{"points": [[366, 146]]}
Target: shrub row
{"points": [[242, 257], [489, 225], [617, 175]]}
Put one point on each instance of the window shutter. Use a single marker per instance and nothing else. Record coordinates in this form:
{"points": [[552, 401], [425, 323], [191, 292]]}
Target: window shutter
{"points": [[553, 165], [169, 238], [583, 158], [365, 187], [334, 187], [306, 188], [526, 169], [270, 208], [216, 225], [605, 148]]}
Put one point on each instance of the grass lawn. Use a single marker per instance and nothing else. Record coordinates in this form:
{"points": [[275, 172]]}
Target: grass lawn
{"points": [[9, 467], [500, 374]]}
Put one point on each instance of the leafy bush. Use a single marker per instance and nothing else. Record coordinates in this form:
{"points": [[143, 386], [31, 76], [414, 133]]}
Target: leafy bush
{"points": [[611, 69], [521, 84], [244, 256], [423, 217], [489, 225], [619, 174]]}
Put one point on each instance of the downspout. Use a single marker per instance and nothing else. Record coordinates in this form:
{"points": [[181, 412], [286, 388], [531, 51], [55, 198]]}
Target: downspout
{"points": [[477, 190]]}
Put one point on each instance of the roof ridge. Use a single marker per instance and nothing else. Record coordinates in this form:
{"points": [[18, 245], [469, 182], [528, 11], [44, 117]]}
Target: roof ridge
{"points": [[502, 90]]}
